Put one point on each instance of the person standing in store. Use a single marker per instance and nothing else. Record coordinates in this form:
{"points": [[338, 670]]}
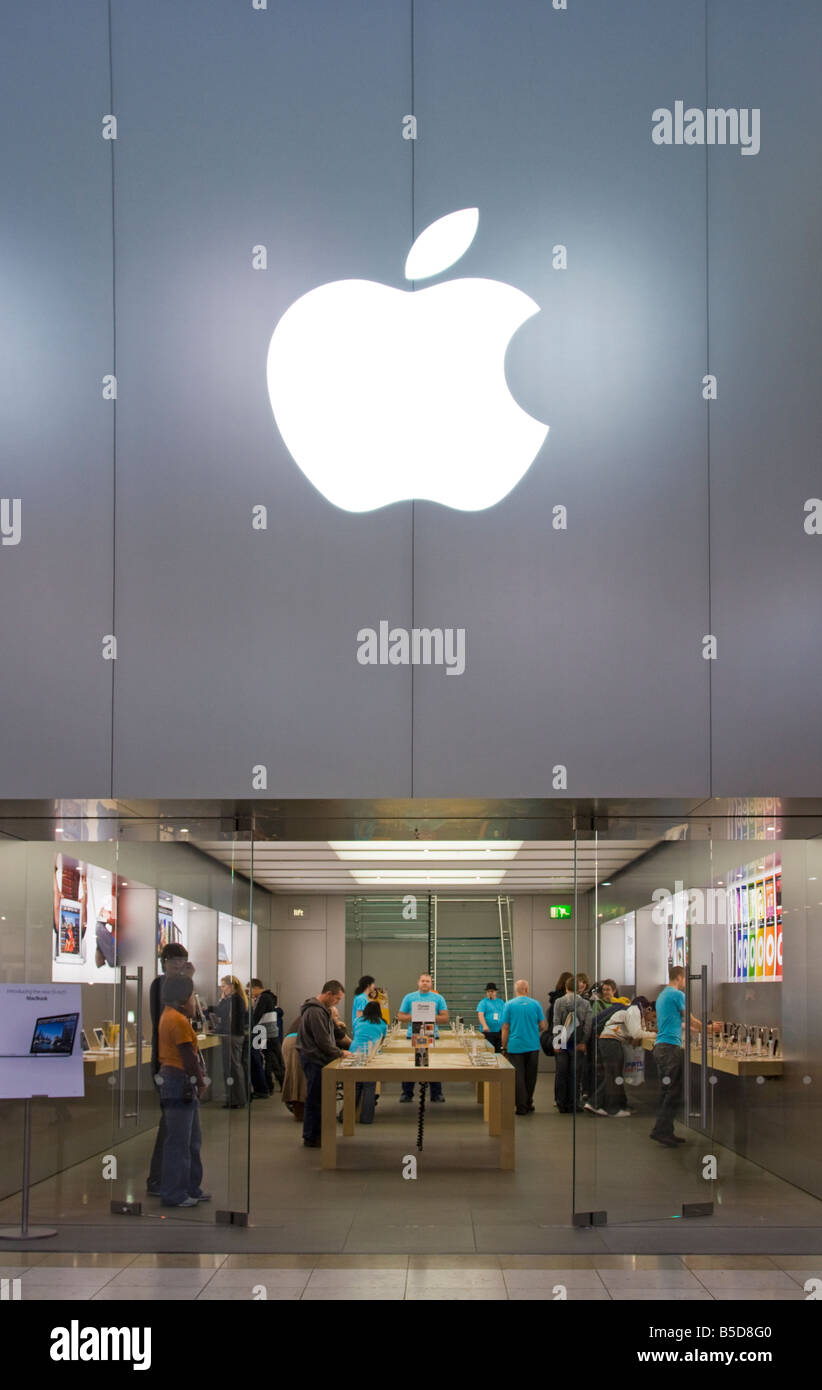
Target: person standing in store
{"points": [[489, 1011], [264, 1006], [669, 1056], [425, 991], [183, 1084], [173, 962], [370, 1028], [317, 1046], [571, 1036], [523, 1019], [231, 1013], [366, 991]]}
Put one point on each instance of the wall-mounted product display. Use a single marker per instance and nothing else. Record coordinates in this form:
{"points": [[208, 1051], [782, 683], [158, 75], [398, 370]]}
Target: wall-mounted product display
{"points": [[169, 929], [754, 902], [40, 1041], [85, 922]]}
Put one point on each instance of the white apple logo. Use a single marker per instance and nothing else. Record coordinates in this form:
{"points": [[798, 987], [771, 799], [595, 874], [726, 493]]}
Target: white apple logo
{"points": [[383, 395]]}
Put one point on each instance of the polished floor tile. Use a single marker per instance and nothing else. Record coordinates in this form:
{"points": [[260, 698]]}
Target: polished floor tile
{"points": [[250, 1277], [743, 1281], [649, 1279], [520, 1280], [640, 1295], [456, 1279]]}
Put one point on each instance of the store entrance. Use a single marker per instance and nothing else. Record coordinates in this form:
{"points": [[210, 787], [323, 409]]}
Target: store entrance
{"points": [[710, 1117], [90, 901]]}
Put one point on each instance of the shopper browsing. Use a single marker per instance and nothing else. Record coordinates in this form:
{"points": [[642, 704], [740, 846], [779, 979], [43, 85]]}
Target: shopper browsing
{"points": [[424, 991], [571, 1036], [489, 1011], [317, 1046], [368, 1029], [523, 1019], [173, 962], [182, 1083], [622, 1026], [669, 1056], [231, 1018], [366, 991]]}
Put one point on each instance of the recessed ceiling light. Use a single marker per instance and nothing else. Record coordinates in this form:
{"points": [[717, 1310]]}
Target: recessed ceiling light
{"points": [[183, 829]]}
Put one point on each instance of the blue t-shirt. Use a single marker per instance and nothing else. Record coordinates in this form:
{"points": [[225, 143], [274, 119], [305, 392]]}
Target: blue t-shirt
{"points": [[670, 1010], [366, 1032], [405, 1006], [360, 1001], [492, 1008], [523, 1016]]}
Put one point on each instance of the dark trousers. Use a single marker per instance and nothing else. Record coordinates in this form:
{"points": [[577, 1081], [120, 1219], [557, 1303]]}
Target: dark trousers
{"points": [[274, 1064], [436, 1086], [525, 1065], [495, 1039], [568, 1079], [608, 1095], [367, 1092], [259, 1083], [669, 1061], [182, 1168], [312, 1115]]}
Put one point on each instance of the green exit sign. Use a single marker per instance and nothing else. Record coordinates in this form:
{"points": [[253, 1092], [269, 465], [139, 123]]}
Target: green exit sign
{"points": [[560, 910]]}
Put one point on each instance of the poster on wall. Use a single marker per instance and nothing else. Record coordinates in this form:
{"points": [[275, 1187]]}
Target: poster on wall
{"points": [[172, 922], [755, 921], [84, 937], [40, 1048]]}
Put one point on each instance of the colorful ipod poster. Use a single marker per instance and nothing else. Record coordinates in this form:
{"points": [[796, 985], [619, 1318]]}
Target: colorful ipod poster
{"points": [[40, 1051], [751, 931], [85, 923]]}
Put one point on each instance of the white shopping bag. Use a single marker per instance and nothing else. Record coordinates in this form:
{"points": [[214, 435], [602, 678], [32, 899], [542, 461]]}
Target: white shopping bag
{"points": [[633, 1065]]}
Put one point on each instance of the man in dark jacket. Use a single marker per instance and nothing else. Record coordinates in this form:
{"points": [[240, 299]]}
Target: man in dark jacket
{"points": [[316, 1044], [265, 1013]]}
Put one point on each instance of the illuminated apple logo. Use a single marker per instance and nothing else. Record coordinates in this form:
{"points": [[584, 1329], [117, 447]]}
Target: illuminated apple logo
{"points": [[382, 395]]}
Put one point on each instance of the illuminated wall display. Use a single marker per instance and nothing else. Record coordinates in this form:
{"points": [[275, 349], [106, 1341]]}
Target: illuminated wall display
{"points": [[755, 921], [383, 395]]}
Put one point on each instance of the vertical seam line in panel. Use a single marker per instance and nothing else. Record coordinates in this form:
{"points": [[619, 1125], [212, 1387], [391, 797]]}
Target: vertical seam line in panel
{"points": [[112, 144], [413, 144], [708, 422]]}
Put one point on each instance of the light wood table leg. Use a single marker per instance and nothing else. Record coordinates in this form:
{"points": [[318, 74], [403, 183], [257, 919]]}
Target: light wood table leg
{"points": [[349, 1093], [480, 1089], [488, 1092], [329, 1117], [505, 1087], [494, 1111]]}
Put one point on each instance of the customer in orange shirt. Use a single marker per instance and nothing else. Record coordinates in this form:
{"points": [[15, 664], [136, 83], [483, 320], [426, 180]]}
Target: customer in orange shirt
{"points": [[181, 1082]]}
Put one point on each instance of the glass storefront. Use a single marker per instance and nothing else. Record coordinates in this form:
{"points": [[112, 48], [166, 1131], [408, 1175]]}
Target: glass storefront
{"points": [[92, 901]]}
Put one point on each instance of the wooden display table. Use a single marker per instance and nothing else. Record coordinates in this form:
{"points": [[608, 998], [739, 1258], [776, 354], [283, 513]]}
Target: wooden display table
{"points": [[100, 1061], [732, 1066], [449, 1062]]}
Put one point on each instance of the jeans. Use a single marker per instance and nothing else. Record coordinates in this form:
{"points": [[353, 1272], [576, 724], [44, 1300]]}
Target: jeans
{"points": [[182, 1168], [669, 1060], [312, 1115], [155, 1172], [495, 1039], [408, 1086], [608, 1096], [525, 1065], [259, 1083]]}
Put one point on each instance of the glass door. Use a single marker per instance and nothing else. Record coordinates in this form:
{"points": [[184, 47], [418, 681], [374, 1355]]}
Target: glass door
{"points": [[186, 959]]}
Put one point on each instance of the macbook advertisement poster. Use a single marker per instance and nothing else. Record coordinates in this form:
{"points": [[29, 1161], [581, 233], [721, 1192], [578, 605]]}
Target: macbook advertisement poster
{"points": [[40, 1051]]}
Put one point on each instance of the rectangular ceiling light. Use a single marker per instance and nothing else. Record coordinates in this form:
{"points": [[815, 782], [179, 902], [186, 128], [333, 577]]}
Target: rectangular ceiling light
{"points": [[420, 852]]}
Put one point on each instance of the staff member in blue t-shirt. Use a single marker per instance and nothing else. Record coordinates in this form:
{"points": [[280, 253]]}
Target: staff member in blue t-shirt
{"points": [[523, 1019], [425, 990], [490, 1016], [369, 1028], [669, 1056]]}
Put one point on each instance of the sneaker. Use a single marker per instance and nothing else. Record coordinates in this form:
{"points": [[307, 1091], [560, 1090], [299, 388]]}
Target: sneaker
{"points": [[623, 1114], [201, 1196], [151, 1190], [665, 1139], [592, 1110], [187, 1202], [520, 1111], [530, 1109], [312, 1143], [677, 1140]]}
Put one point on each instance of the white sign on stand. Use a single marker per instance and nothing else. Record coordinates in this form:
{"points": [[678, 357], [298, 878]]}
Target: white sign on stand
{"points": [[40, 1051]]}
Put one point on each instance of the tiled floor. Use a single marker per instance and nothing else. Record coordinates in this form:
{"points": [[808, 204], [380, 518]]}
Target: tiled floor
{"points": [[215, 1278]]}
